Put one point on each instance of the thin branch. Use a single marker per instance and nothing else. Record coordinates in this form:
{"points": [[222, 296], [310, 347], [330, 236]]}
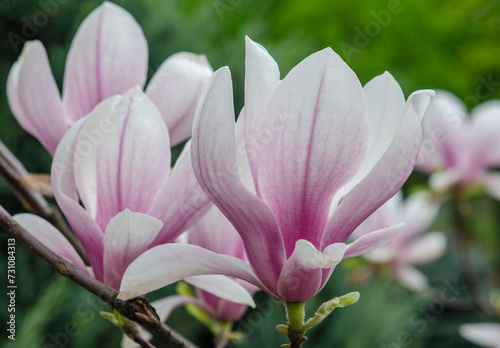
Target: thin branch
{"points": [[11, 170], [463, 241], [132, 330], [137, 309]]}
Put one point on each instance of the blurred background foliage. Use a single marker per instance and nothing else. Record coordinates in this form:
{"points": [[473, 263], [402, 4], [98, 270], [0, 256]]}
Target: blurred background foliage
{"points": [[425, 44]]}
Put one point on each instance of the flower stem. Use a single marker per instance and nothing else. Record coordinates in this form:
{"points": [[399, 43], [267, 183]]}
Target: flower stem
{"points": [[295, 314]]}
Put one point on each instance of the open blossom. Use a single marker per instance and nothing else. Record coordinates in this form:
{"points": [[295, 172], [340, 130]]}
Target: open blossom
{"points": [[116, 161], [483, 334], [457, 149], [108, 56], [314, 155], [409, 247]]}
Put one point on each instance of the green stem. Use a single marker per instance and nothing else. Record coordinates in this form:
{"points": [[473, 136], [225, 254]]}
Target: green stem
{"points": [[295, 314]]}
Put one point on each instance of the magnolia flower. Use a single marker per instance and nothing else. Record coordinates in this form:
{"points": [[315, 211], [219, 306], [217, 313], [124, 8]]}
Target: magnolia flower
{"points": [[408, 247], [116, 161], [213, 232], [108, 56], [314, 141], [459, 150], [483, 334]]}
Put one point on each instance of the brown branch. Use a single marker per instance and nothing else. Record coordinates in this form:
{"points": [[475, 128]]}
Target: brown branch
{"points": [[463, 241], [137, 309], [11, 170]]}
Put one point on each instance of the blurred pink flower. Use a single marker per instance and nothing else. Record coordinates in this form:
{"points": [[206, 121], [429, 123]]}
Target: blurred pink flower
{"points": [[116, 161], [457, 149], [315, 140], [213, 232], [483, 334], [108, 56], [409, 247]]}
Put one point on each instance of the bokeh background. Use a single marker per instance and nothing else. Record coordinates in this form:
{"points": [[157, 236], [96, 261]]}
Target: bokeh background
{"points": [[425, 44]]}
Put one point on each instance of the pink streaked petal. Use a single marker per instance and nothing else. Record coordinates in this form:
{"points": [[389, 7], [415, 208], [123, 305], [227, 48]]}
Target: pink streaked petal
{"points": [[485, 137], [385, 179], [385, 104], [175, 89], [223, 287], [424, 249], [34, 97], [483, 334], [411, 278], [127, 236], [108, 56], [133, 156], [49, 236], [262, 76], [95, 127], [244, 171], [301, 277], [180, 201], [65, 193], [214, 232], [320, 148], [168, 263], [215, 166], [372, 241]]}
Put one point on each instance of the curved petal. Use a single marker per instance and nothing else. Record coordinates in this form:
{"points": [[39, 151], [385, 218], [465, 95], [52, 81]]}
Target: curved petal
{"points": [[372, 241], [49, 236], [168, 263], [262, 76], [175, 89], [386, 178], [442, 127], [65, 193], [385, 104], [223, 287], [127, 236], [483, 334], [214, 232], [180, 201], [34, 97], [424, 249], [320, 149], [411, 278], [130, 155], [485, 138], [491, 183], [95, 127], [108, 56], [215, 166], [419, 213], [301, 277]]}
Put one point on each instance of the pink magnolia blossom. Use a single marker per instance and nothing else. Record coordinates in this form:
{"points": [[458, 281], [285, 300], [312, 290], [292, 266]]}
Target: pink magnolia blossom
{"points": [[116, 161], [313, 156], [409, 247], [108, 56], [457, 149], [483, 334]]}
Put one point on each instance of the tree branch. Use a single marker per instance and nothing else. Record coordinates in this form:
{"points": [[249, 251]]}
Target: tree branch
{"points": [[137, 309], [11, 170]]}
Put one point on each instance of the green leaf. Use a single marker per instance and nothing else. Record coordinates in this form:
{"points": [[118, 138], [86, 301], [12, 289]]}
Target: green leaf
{"points": [[326, 308]]}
